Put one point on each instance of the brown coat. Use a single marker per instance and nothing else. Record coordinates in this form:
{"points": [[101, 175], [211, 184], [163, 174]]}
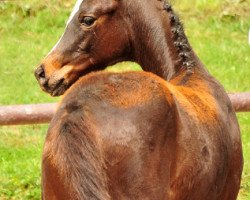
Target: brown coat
{"points": [[134, 136]]}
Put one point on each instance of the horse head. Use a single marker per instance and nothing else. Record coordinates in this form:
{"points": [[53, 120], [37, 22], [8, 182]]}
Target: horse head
{"points": [[94, 38], [103, 32]]}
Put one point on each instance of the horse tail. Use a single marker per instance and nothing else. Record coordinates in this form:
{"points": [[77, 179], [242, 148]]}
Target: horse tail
{"points": [[72, 151]]}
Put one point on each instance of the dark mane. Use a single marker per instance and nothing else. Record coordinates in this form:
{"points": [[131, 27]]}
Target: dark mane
{"points": [[184, 49]]}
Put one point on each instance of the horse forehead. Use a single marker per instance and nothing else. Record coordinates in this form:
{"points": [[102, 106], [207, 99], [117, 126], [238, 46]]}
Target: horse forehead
{"points": [[75, 10], [79, 3]]}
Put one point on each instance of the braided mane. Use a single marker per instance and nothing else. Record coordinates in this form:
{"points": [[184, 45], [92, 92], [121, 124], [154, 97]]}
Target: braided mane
{"points": [[181, 43]]}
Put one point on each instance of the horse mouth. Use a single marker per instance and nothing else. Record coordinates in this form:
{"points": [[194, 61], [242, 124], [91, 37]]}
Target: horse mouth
{"points": [[61, 80], [59, 88]]}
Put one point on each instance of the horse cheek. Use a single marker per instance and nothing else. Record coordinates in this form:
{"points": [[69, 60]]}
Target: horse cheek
{"points": [[111, 43]]}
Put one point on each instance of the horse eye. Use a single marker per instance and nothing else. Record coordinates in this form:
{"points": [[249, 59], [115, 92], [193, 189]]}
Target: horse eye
{"points": [[88, 21]]}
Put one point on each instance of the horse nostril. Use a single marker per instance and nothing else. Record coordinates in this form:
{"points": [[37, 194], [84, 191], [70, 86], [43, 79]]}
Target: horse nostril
{"points": [[40, 73]]}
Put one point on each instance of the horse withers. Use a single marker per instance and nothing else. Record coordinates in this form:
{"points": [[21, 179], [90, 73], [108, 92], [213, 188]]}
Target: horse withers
{"points": [[134, 135]]}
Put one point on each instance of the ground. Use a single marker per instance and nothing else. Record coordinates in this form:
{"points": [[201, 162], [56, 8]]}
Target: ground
{"points": [[217, 29]]}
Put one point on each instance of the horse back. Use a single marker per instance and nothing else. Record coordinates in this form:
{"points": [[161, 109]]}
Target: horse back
{"points": [[134, 136]]}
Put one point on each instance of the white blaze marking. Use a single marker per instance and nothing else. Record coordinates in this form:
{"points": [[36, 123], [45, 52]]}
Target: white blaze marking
{"points": [[75, 10]]}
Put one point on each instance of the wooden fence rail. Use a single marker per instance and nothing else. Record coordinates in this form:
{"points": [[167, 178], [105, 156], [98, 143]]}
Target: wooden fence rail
{"points": [[42, 113]]}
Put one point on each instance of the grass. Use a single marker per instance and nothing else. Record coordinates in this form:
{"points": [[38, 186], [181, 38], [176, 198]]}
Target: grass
{"points": [[20, 149], [217, 30]]}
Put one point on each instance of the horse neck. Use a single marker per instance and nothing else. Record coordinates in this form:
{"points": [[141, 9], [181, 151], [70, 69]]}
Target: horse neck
{"points": [[162, 47]]}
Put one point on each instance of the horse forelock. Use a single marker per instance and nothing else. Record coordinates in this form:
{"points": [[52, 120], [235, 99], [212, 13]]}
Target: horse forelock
{"points": [[75, 10]]}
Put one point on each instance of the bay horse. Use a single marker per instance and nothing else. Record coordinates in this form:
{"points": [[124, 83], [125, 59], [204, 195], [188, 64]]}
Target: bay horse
{"points": [[168, 132]]}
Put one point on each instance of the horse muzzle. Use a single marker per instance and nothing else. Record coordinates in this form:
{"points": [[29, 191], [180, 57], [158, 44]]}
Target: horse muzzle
{"points": [[55, 85]]}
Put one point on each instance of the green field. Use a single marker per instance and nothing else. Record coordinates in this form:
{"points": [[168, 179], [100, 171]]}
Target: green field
{"points": [[217, 29]]}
